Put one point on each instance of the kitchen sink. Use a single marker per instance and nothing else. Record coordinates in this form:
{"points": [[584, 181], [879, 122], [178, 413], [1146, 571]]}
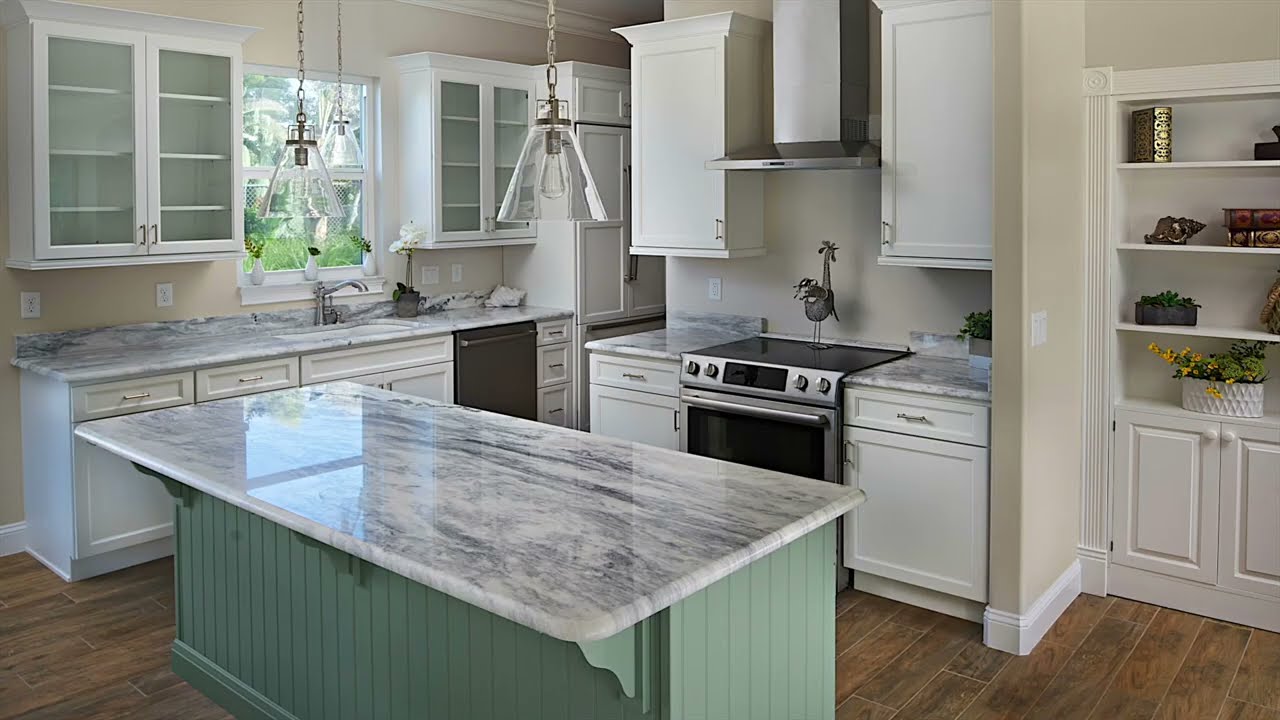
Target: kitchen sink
{"points": [[344, 331]]}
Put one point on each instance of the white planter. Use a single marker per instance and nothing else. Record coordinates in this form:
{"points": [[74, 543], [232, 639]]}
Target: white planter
{"points": [[312, 270], [258, 274], [1238, 400], [367, 266], [980, 354]]}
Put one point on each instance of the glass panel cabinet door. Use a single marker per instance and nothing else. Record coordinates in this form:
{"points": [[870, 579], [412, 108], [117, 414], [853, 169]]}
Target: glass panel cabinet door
{"points": [[193, 134], [92, 154], [510, 127], [459, 151]]}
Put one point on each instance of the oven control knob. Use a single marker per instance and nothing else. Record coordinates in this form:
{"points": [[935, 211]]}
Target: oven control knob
{"points": [[691, 368], [711, 370], [824, 386], [801, 383]]}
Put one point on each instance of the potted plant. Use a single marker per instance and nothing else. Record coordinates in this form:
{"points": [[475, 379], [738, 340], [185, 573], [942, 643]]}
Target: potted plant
{"points": [[1166, 308], [312, 270], [255, 246], [977, 330], [411, 238], [367, 264], [1227, 383]]}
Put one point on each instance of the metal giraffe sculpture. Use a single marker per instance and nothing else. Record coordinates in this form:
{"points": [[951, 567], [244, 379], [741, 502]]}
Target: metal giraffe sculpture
{"points": [[819, 299]]}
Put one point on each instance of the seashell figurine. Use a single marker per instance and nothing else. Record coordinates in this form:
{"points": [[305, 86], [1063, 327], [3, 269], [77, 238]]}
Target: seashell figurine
{"points": [[1173, 231]]}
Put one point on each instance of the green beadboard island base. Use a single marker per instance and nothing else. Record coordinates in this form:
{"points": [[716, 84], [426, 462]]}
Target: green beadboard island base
{"points": [[272, 624]]}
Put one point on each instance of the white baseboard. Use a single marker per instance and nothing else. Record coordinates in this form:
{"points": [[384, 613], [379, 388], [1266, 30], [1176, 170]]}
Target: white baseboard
{"points": [[1019, 634], [1216, 602], [13, 538], [1093, 570]]}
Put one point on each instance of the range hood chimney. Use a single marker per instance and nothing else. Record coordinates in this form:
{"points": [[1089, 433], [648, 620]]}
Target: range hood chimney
{"points": [[820, 90]]}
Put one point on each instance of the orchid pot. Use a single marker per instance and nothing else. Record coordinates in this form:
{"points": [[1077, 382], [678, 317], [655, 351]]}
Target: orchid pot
{"points": [[407, 304]]}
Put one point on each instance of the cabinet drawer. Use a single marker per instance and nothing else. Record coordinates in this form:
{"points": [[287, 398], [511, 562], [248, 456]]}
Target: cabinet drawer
{"points": [[90, 402], [555, 331], [653, 376], [246, 379], [369, 359], [919, 415], [555, 364], [555, 405]]}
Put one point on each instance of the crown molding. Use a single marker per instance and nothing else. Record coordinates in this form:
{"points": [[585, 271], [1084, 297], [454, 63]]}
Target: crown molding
{"points": [[530, 14]]}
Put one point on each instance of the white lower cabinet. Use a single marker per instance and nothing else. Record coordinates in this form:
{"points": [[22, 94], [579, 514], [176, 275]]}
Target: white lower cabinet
{"points": [[433, 382], [636, 416], [1198, 499], [555, 405], [115, 505]]}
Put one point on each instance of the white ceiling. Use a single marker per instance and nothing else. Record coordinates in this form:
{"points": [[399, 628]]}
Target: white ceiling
{"points": [[589, 18]]}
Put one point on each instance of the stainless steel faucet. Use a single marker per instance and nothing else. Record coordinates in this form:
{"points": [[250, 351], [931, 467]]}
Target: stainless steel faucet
{"points": [[325, 312]]}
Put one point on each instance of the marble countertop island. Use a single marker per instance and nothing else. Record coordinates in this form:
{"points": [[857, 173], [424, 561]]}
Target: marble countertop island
{"points": [[685, 332], [577, 536], [126, 351]]}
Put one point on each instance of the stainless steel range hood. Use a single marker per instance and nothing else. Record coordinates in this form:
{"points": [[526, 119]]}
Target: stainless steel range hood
{"points": [[820, 91]]}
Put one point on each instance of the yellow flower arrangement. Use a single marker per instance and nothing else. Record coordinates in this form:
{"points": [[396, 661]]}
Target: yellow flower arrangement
{"points": [[1244, 363]]}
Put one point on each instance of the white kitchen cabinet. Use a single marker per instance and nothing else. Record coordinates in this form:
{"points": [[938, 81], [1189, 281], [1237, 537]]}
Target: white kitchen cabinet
{"points": [[1166, 495], [925, 519], [640, 417], [128, 135], [433, 382], [696, 93], [588, 93], [937, 125], [555, 405], [115, 505], [370, 359], [470, 119], [246, 378], [1249, 521]]}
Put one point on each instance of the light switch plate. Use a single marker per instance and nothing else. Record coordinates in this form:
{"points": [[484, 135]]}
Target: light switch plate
{"points": [[457, 272], [1039, 328], [714, 289], [29, 304], [164, 294], [431, 275]]}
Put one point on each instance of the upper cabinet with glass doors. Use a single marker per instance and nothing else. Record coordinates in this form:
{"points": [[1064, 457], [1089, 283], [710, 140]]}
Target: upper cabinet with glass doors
{"points": [[129, 127], [463, 123]]}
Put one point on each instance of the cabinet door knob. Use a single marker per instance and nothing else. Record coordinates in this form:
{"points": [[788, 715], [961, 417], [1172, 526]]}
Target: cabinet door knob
{"points": [[1228, 437], [1209, 435]]}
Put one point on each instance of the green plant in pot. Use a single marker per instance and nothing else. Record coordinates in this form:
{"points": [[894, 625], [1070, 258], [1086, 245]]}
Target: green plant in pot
{"points": [[411, 238], [312, 270], [977, 330], [367, 263], [1229, 383], [256, 246], [1166, 308]]}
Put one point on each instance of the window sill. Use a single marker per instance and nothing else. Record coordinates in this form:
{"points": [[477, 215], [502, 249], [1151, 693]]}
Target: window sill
{"points": [[288, 286]]}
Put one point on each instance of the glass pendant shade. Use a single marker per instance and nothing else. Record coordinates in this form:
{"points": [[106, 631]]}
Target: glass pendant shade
{"points": [[341, 146], [300, 185], [551, 182]]}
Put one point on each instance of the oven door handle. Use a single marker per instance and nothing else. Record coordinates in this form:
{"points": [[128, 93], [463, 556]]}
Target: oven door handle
{"points": [[759, 412]]}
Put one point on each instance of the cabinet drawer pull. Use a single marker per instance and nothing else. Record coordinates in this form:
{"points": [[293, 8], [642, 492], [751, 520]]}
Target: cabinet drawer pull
{"points": [[553, 411], [913, 418], [137, 396], [884, 232], [719, 229], [143, 229], [251, 378], [155, 234], [632, 376], [556, 365], [555, 332]]}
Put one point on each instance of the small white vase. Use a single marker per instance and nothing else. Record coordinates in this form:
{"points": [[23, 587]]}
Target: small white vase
{"points": [[367, 266], [312, 270], [258, 274], [1242, 400]]}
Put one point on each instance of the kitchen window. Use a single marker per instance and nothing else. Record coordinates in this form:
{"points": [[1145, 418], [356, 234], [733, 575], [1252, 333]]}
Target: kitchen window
{"points": [[270, 103]]}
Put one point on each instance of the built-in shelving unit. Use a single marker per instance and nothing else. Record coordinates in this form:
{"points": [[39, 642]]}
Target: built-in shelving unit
{"points": [[1202, 165], [1205, 331], [1211, 249]]}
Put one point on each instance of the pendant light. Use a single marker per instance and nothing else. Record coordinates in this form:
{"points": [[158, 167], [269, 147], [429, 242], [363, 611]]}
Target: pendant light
{"points": [[300, 186], [551, 171], [340, 144]]}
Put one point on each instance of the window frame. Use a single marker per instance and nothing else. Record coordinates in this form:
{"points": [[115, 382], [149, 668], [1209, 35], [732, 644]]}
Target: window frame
{"points": [[286, 285]]}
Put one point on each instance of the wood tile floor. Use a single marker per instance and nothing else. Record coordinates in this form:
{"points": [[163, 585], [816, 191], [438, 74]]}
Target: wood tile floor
{"points": [[99, 649]]}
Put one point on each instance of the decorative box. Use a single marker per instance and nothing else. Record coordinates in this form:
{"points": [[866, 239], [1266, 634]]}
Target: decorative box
{"points": [[1151, 136], [1254, 238], [1252, 228]]}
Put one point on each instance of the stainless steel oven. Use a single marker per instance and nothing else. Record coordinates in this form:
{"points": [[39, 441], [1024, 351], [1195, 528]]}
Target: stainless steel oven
{"points": [[784, 436]]}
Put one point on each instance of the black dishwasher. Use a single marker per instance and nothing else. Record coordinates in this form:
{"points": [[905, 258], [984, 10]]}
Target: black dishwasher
{"points": [[496, 369]]}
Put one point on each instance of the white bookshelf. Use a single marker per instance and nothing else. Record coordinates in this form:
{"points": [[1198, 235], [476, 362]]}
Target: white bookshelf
{"points": [[1201, 164]]}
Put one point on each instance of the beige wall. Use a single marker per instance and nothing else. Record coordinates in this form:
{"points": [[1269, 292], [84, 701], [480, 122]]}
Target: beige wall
{"points": [[373, 30], [1133, 34]]}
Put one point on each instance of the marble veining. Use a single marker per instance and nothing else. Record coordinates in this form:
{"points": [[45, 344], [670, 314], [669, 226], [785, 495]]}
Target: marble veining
{"points": [[928, 374], [575, 535], [685, 332], [116, 353]]}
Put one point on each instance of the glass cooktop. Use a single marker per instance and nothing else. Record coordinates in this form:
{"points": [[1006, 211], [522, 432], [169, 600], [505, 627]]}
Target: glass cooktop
{"points": [[801, 354]]}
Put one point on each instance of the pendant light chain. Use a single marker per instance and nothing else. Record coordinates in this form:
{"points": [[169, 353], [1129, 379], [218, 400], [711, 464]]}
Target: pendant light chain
{"points": [[302, 71], [341, 114], [552, 74]]}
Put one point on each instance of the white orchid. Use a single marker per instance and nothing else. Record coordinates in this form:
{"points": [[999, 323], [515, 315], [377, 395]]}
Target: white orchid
{"points": [[412, 237]]}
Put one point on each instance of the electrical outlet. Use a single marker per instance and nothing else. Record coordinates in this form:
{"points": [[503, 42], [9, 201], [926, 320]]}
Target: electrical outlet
{"points": [[29, 303], [1039, 328], [164, 294], [457, 272], [431, 275], [713, 289]]}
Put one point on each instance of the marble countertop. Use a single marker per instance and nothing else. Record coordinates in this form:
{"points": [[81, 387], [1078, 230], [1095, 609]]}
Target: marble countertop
{"points": [[928, 374], [118, 353], [685, 332], [575, 535]]}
